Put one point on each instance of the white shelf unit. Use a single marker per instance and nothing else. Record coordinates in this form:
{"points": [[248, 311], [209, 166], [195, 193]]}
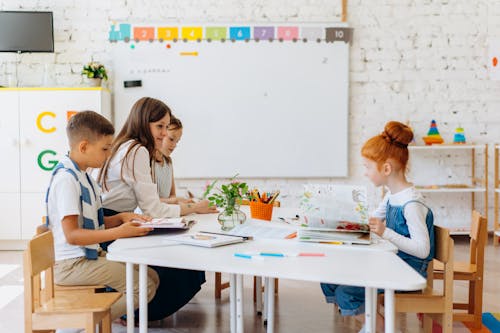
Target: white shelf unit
{"points": [[476, 183], [496, 234]]}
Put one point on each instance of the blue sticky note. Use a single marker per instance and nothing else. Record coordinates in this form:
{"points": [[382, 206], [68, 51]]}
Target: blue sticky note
{"points": [[239, 33]]}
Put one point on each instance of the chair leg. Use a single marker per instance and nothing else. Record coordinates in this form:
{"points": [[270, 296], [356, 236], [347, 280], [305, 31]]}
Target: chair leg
{"points": [[472, 287], [90, 323], [447, 322], [478, 303], [427, 324], [105, 324], [218, 285], [276, 287]]}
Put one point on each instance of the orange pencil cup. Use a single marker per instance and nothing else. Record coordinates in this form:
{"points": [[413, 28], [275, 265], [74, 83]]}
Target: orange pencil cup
{"points": [[261, 211]]}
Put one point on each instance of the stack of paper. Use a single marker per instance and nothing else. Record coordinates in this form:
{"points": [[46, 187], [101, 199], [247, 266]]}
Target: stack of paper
{"points": [[205, 240], [170, 223], [336, 231]]}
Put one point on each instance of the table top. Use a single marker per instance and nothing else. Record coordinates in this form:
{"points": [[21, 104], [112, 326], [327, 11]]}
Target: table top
{"points": [[374, 265]]}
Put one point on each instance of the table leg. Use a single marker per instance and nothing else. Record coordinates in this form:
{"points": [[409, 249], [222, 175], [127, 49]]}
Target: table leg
{"points": [[232, 301], [258, 294], [239, 303], [264, 311], [370, 309], [143, 298], [390, 311], [270, 305], [130, 296]]}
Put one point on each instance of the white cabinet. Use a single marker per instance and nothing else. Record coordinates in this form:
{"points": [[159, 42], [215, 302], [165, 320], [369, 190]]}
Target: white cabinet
{"points": [[454, 181], [33, 139]]}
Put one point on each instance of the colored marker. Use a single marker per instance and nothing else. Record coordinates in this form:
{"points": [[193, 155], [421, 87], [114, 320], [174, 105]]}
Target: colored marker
{"points": [[311, 254], [241, 255], [270, 254]]}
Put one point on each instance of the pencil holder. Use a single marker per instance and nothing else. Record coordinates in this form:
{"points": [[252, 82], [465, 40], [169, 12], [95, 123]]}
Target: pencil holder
{"points": [[261, 211]]}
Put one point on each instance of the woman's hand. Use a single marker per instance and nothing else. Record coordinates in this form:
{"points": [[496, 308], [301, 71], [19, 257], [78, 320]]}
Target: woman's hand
{"points": [[203, 207], [184, 200], [133, 217], [377, 226]]}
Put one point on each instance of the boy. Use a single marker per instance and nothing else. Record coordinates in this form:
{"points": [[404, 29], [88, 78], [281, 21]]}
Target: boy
{"points": [[74, 214]]}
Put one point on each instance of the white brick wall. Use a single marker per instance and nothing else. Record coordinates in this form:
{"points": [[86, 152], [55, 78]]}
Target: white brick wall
{"points": [[411, 60]]}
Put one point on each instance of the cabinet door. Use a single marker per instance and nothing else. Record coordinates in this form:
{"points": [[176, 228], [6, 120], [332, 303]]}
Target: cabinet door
{"points": [[32, 213], [9, 142], [10, 223], [43, 119]]}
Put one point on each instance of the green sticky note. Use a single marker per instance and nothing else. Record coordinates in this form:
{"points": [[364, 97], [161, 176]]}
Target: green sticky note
{"points": [[216, 33]]}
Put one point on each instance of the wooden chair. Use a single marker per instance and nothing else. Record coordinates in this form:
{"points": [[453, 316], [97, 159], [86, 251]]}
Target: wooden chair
{"points": [[434, 304], [85, 289], [45, 312], [219, 285], [471, 271]]}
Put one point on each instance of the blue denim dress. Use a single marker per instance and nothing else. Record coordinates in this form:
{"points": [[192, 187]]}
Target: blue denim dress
{"points": [[350, 299]]}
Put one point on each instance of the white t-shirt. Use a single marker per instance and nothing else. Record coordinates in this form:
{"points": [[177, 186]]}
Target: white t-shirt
{"points": [[163, 175], [418, 244], [64, 200], [137, 188]]}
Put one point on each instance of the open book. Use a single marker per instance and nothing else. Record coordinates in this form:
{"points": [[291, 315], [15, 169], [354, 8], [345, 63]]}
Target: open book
{"points": [[205, 240], [169, 223], [334, 213], [336, 232]]}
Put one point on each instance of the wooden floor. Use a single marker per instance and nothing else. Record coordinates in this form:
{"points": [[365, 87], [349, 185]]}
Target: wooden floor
{"points": [[300, 306]]}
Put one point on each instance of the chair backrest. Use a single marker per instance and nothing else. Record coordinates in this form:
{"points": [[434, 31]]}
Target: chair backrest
{"points": [[41, 229], [39, 261], [444, 253], [478, 238]]}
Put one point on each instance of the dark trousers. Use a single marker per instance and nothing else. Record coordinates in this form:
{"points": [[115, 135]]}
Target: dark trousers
{"points": [[177, 287]]}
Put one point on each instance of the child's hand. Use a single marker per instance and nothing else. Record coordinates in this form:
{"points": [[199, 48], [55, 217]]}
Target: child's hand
{"points": [[203, 207], [377, 226], [133, 229], [184, 200], [129, 217]]}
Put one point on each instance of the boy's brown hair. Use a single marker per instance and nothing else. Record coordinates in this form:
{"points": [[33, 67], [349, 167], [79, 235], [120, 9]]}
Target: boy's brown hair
{"points": [[88, 125]]}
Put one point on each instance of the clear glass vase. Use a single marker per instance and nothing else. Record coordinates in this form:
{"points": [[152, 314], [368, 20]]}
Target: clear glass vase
{"points": [[231, 217]]}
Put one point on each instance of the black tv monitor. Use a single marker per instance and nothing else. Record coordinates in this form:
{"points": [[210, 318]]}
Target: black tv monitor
{"points": [[26, 31]]}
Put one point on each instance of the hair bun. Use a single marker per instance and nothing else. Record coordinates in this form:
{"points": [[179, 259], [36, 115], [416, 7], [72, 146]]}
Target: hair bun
{"points": [[397, 133]]}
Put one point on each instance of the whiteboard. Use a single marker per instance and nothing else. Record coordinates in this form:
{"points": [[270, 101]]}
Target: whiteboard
{"points": [[254, 108]]}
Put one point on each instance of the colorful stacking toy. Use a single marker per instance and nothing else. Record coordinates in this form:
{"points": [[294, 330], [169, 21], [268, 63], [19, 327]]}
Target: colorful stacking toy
{"points": [[433, 136], [459, 136]]}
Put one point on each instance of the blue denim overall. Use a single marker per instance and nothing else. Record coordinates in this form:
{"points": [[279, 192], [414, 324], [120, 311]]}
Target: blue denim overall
{"points": [[350, 299]]}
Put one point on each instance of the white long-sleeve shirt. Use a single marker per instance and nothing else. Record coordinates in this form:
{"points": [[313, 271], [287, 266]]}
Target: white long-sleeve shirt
{"points": [[137, 188], [418, 244]]}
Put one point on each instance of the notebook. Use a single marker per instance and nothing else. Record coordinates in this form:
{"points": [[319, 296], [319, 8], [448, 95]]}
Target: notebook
{"points": [[179, 223], [336, 232], [205, 240]]}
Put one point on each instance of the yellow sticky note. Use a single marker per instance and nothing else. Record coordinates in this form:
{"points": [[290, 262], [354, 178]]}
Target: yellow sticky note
{"points": [[168, 33], [192, 33]]}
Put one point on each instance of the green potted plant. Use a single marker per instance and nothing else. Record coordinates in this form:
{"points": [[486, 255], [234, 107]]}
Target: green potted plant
{"points": [[94, 72], [228, 197]]}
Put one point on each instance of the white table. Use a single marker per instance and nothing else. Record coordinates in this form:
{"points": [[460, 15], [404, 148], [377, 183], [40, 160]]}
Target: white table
{"points": [[371, 267]]}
